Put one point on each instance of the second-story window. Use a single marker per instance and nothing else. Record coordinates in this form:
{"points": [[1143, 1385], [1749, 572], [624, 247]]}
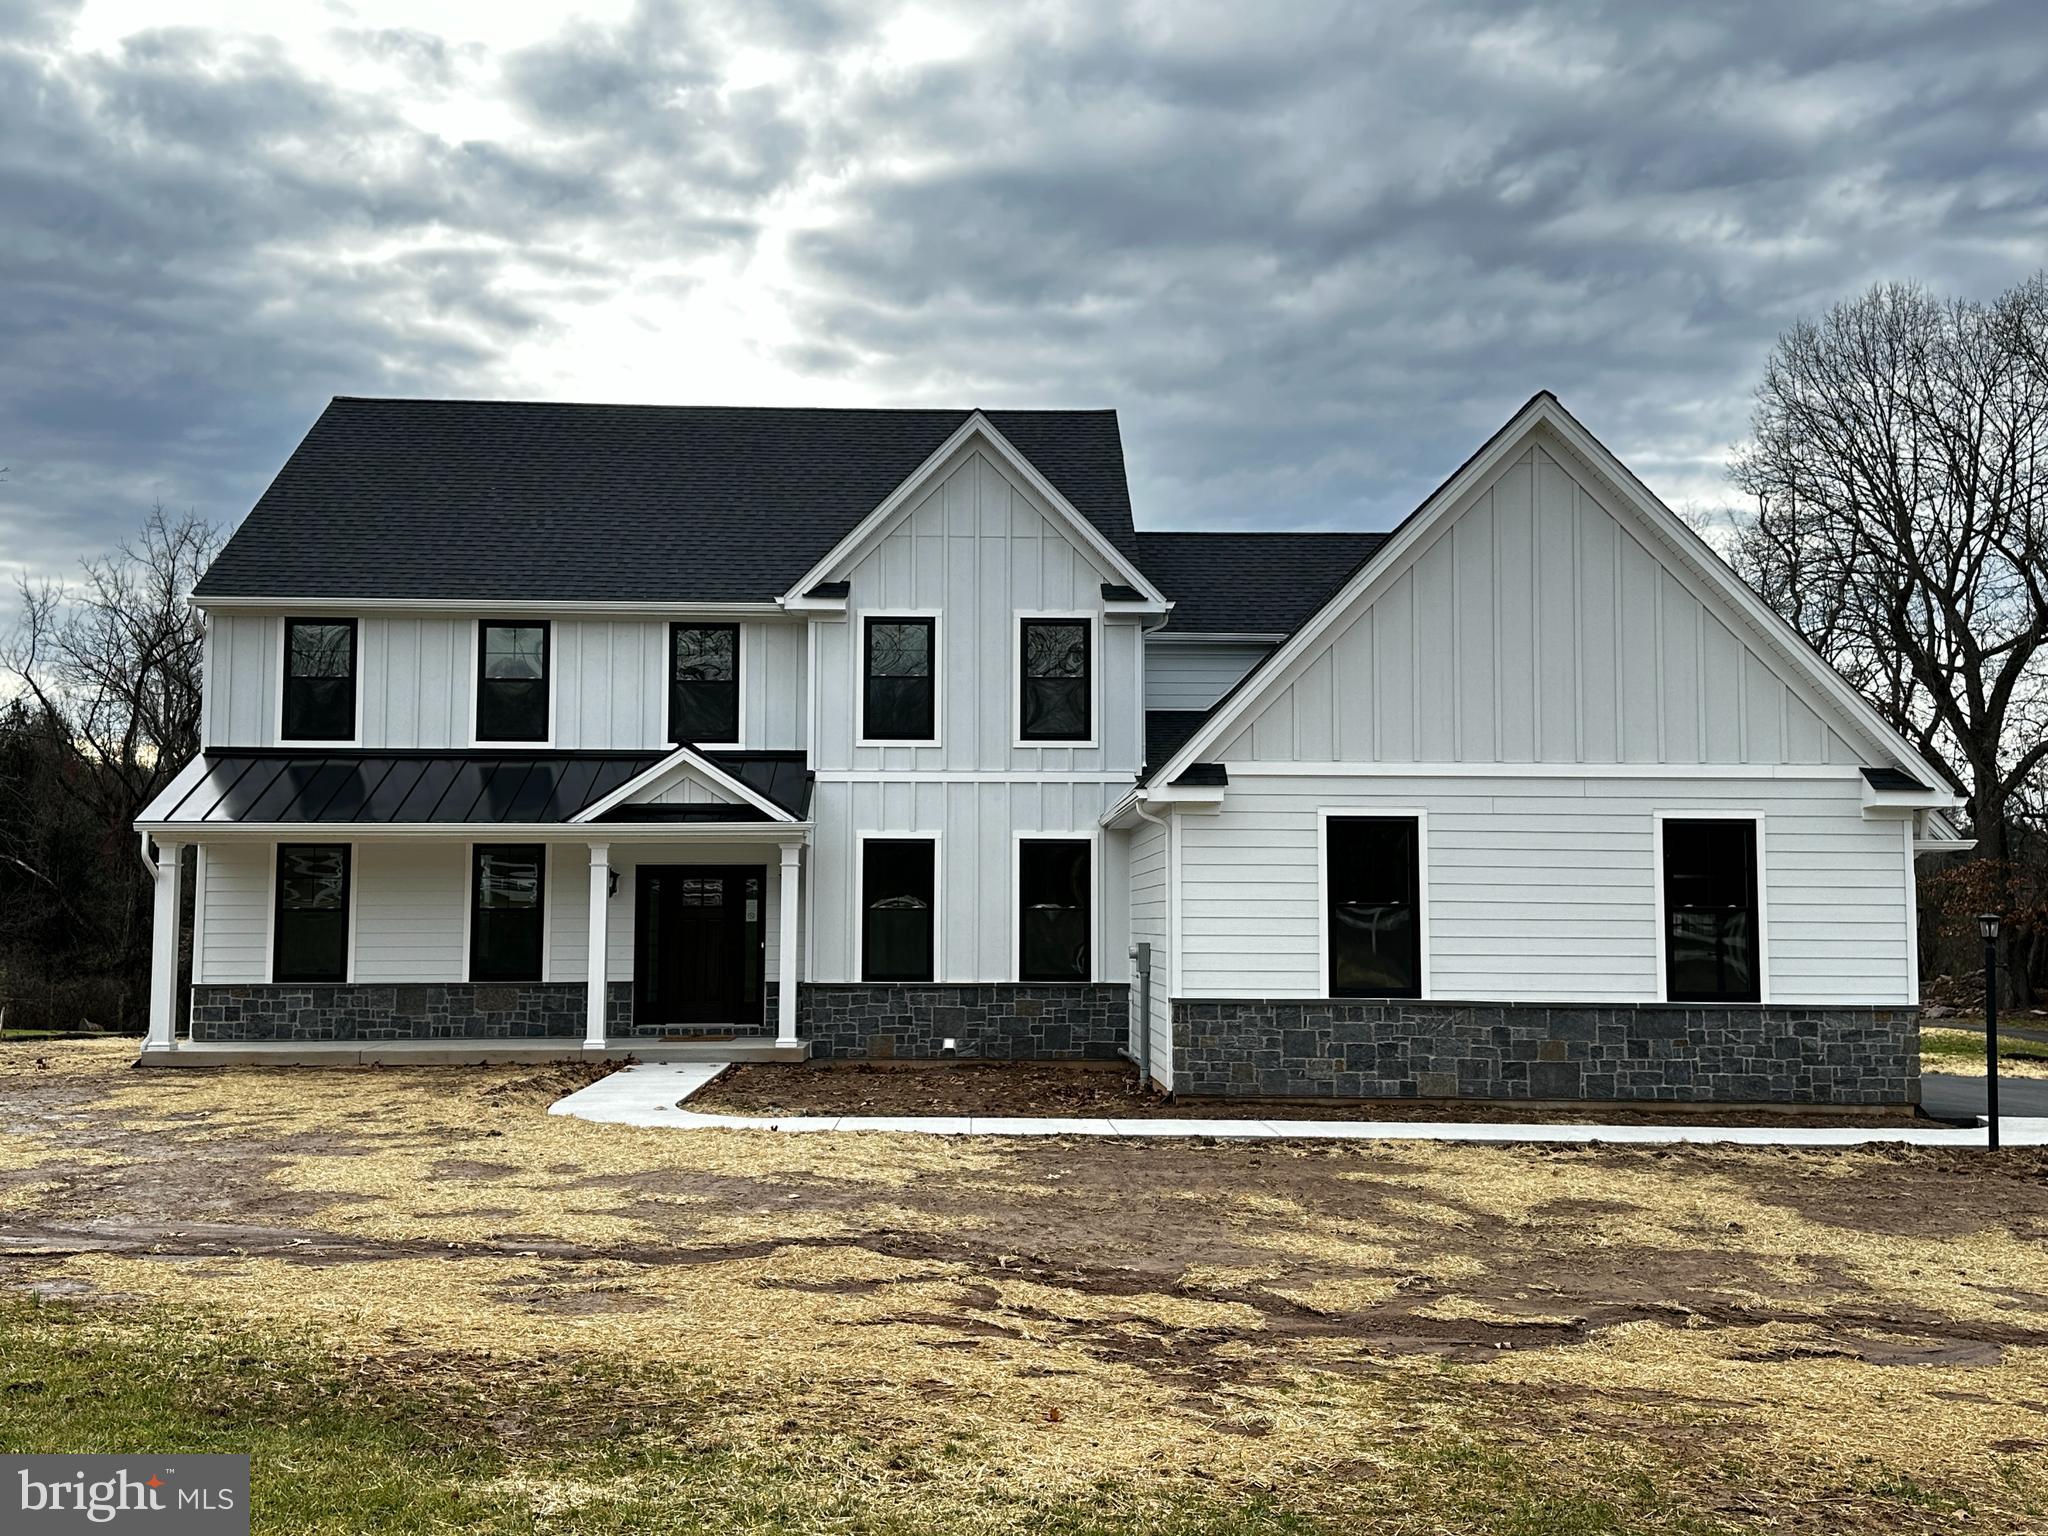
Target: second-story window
{"points": [[319, 680], [899, 703], [704, 683], [512, 682], [1054, 698]]}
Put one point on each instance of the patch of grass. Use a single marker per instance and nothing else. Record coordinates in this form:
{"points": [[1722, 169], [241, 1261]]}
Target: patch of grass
{"points": [[1947, 1043]]}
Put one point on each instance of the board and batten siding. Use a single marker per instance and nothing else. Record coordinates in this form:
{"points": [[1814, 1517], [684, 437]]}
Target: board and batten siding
{"points": [[417, 680], [1152, 923], [978, 550], [1544, 888], [1539, 627], [977, 824], [1193, 674]]}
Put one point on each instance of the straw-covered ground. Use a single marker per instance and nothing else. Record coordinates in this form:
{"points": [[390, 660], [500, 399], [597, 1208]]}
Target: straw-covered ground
{"points": [[427, 1305]]}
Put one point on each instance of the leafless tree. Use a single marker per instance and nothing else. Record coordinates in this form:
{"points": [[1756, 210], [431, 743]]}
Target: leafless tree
{"points": [[106, 676], [1897, 469]]}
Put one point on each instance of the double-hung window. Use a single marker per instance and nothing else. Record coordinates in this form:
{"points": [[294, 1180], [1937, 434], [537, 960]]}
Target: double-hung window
{"points": [[1054, 702], [1054, 911], [704, 684], [309, 933], [1372, 868], [1713, 941], [319, 680], [899, 906], [508, 895], [898, 702], [512, 681]]}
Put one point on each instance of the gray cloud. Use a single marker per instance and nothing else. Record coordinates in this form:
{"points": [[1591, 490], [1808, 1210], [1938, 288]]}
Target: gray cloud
{"points": [[1312, 254]]}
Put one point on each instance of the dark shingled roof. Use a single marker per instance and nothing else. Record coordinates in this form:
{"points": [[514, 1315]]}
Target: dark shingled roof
{"points": [[1165, 731], [1892, 779], [1250, 583], [510, 500]]}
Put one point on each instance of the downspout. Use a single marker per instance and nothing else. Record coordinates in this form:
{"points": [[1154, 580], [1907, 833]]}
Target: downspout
{"points": [[1145, 978], [147, 862]]}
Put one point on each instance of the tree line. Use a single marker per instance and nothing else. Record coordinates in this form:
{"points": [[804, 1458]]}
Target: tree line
{"points": [[1896, 476]]}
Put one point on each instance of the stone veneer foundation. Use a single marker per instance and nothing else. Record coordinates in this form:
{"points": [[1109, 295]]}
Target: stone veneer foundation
{"points": [[1047, 1021], [1345, 1048], [438, 1010]]}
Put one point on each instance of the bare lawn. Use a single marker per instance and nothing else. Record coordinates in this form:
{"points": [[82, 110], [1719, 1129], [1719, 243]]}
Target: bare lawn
{"points": [[862, 1332]]}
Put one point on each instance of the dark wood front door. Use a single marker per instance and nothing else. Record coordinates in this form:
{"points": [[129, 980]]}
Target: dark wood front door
{"points": [[697, 939]]}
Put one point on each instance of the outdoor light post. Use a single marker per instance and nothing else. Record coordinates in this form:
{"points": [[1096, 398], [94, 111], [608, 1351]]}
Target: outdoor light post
{"points": [[1987, 925]]}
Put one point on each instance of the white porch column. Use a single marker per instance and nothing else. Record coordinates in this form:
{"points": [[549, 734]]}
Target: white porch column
{"points": [[600, 910], [163, 953], [786, 941]]}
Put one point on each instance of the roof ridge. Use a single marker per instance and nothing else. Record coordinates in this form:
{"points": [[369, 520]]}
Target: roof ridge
{"points": [[653, 405]]}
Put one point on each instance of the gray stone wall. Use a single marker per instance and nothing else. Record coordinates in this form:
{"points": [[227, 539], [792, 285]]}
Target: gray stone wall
{"points": [[1346, 1048], [999, 1020], [441, 1010]]}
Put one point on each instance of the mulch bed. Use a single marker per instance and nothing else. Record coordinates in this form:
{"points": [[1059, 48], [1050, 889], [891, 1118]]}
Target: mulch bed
{"points": [[1097, 1090]]}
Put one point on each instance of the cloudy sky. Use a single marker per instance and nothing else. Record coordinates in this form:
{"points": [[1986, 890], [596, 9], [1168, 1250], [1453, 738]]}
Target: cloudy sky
{"points": [[1312, 253]]}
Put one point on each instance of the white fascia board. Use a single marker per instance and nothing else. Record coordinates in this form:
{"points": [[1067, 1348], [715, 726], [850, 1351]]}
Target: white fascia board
{"points": [[483, 831], [1691, 553], [878, 522], [1172, 636], [682, 757], [543, 607]]}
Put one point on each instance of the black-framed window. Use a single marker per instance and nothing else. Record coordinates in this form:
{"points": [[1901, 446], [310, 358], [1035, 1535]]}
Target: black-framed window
{"points": [[1055, 912], [898, 702], [1055, 657], [507, 903], [899, 905], [1374, 875], [319, 680], [1712, 931], [704, 683], [310, 931], [512, 681]]}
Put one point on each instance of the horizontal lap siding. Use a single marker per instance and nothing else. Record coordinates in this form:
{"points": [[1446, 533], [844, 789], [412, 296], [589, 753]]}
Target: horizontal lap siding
{"points": [[1192, 675], [1545, 889], [235, 927], [569, 891], [410, 900], [1151, 918]]}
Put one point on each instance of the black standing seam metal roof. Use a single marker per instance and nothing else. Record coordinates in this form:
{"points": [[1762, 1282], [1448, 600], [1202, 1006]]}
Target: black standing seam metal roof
{"points": [[458, 788], [1250, 583], [523, 501]]}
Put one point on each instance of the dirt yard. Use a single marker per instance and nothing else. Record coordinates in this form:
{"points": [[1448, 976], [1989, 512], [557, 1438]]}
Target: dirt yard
{"points": [[1367, 1337], [1112, 1090]]}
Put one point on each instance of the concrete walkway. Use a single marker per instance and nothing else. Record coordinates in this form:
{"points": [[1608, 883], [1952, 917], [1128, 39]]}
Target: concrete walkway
{"points": [[652, 1095]]}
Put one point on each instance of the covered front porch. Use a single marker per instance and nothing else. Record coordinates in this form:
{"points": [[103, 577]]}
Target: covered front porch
{"points": [[659, 916]]}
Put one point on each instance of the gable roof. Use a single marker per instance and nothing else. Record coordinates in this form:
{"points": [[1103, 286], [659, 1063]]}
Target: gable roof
{"points": [[1250, 583], [1692, 553], [489, 500]]}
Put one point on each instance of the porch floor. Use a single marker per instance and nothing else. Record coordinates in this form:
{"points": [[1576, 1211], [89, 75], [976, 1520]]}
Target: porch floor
{"points": [[421, 1053]]}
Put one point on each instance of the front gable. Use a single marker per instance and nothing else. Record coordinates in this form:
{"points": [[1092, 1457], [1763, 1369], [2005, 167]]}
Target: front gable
{"points": [[1546, 610], [685, 783]]}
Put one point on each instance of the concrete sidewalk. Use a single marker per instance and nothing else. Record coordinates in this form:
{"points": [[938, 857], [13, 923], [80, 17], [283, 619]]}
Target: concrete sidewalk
{"points": [[652, 1095]]}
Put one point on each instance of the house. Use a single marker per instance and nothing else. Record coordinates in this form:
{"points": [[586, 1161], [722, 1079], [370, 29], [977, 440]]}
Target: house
{"points": [[867, 733]]}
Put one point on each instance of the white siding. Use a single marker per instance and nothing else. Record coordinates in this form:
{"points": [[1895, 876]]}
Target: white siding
{"points": [[411, 901], [235, 928], [417, 677], [1151, 923], [1543, 888], [1193, 674], [1538, 626], [976, 823], [979, 550]]}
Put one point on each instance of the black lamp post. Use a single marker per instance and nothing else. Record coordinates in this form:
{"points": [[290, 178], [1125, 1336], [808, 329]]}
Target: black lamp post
{"points": [[1987, 926]]}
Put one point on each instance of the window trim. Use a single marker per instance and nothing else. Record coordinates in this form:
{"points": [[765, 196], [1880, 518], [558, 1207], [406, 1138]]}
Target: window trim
{"points": [[281, 649], [1425, 899], [1661, 918], [476, 678], [860, 675], [1093, 622], [739, 679], [547, 911], [353, 885], [1093, 838], [861, 839]]}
